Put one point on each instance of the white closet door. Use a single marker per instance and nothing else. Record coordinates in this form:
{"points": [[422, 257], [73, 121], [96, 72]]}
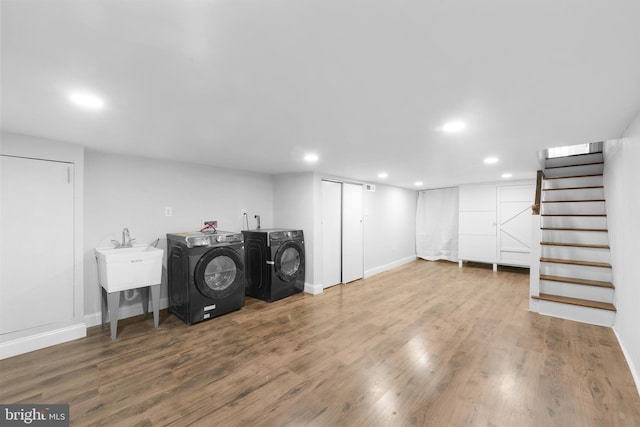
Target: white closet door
{"points": [[331, 233], [36, 255], [352, 241], [514, 224], [477, 223]]}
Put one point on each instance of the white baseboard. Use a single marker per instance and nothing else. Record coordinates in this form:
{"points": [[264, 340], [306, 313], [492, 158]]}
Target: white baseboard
{"points": [[317, 288], [634, 369], [389, 266], [95, 319], [42, 340], [313, 289]]}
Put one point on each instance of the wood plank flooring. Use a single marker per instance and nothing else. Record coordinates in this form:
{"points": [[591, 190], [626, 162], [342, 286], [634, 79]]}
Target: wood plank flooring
{"points": [[426, 344]]}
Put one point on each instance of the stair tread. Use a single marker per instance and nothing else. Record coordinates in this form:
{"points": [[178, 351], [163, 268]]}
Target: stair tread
{"points": [[576, 280], [576, 262], [574, 176], [573, 201], [588, 187], [601, 230], [576, 245], [578, 164], [575, 301], [574, 214]]}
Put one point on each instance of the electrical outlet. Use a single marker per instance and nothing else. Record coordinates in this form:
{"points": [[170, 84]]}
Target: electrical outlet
{"points": [[168, 211]]}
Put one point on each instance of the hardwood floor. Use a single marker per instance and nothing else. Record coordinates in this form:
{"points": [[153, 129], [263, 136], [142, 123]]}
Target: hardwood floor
{"points": [[424, 344]]}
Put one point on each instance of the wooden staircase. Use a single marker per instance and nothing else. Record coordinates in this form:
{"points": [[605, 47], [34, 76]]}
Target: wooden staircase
{"points": [[576, 279]]}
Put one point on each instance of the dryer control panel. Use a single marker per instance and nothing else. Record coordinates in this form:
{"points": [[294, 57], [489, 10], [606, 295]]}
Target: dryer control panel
{"points": [[196, 238]]}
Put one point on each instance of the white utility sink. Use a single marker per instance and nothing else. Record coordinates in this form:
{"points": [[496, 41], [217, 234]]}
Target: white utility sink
{"points": [[120, 269]]}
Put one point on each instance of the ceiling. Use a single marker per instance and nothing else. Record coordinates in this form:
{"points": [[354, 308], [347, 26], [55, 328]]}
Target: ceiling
{"points": [[364, 84]]}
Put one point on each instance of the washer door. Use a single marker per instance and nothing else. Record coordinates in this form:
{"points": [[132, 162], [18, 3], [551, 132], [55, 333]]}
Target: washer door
{"points": [[289, 261], [219, 273]]}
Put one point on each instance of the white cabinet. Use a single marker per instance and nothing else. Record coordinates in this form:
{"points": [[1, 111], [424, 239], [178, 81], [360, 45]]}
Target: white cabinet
{"points": [[477, 223], [514, 224], [495, 223]]}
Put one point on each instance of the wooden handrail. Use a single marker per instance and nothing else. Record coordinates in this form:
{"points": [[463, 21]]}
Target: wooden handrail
{"points": [[536, 204]]}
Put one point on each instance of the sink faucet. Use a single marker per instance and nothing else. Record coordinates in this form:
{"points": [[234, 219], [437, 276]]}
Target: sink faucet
{"points": [[257, 217], [127, 241], [125, 234]]}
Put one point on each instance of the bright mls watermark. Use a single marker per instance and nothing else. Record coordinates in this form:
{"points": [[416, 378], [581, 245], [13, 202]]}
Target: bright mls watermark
{"points": [[34, 415]]}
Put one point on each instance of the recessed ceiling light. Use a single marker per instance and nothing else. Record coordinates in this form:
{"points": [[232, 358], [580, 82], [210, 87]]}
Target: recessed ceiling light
{"points": [[86, 100], [452, 127], [418, 183], [491, 160], [506, 175], [383, 175], [311, 158]]}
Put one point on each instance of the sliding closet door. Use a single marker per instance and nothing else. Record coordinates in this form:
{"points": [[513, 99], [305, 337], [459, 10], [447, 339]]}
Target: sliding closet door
{"points": [[342, 236], [352, 239], [331, 233]]}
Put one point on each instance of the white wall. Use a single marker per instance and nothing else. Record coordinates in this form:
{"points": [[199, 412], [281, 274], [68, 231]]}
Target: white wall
{"points": [[125, 191], [389, 228], [389, 223], [294, 202], [621, 181]]}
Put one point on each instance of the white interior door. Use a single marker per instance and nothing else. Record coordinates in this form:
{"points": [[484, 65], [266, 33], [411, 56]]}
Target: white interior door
{"points": [[331, 233], [352, 241], [514, 224], [36, 254], [477, 223]]}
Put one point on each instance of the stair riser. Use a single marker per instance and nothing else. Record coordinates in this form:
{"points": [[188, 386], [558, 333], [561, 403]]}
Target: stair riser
{"points": [[598, 222], [583, 237], [593, 293], [578, 271], [573, 171], [574, 207], [589, 315], [573, 194], [577, 254], [573, 160], [587, 181]]}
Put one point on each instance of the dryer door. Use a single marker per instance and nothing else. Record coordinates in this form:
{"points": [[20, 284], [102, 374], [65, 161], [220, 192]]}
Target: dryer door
{"points": [[219, 272], [289, 260]]}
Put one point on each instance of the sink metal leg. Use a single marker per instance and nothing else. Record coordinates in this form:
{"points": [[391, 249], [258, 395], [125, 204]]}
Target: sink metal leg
{"points": [[105, 306], [114, 304], [144, 293], [155, 301]]}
